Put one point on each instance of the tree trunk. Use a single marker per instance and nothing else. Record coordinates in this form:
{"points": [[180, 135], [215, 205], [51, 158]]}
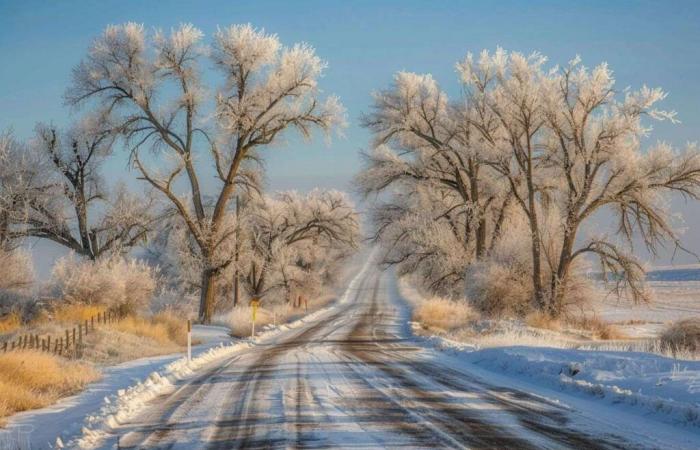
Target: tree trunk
{"points": [[236, 276], [536, 244], [476, 207], [236, 289], [559, 279], [481, 239], [207, 296]]}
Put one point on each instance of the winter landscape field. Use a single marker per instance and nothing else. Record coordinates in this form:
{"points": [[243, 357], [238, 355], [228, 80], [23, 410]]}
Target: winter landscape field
{"points": [[349, 225]]}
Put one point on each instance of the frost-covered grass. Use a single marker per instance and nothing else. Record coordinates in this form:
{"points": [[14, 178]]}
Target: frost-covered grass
{"points": [[30, 380]]}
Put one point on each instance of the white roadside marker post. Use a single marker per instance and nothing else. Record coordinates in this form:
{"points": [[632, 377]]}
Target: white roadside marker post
{"points": [[189, 340]]}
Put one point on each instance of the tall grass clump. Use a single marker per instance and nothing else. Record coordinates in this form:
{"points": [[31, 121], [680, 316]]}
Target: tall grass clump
{"points": [[443, 314], [30, 379], [165, 328]]}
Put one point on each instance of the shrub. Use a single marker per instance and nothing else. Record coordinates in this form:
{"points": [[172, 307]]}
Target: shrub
{"points": [[496, 290], [442, 313], [30, 379], [125, 285], [682, 336]]}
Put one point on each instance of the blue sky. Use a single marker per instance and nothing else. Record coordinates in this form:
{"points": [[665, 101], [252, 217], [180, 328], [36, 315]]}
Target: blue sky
{"points": [[365, 43]]}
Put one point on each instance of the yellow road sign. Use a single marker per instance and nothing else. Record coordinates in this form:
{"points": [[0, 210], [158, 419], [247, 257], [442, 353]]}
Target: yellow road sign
{"points": [[255, 303]]}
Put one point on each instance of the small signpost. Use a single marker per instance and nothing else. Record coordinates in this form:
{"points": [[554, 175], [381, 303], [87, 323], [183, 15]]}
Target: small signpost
{"points": [[189, 340], [254, 304]]}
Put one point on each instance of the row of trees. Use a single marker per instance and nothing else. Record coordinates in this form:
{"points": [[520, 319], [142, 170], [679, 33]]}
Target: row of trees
{"points": [[147, 92], [523, 145]]}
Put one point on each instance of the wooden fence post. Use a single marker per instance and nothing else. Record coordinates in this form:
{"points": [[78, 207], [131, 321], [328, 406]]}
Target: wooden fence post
{"points": [[92, 321], [4, 347], [67, 339]]}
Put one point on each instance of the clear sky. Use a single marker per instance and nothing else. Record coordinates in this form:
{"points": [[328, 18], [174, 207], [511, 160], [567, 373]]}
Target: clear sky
{"points": [[365, 42]]}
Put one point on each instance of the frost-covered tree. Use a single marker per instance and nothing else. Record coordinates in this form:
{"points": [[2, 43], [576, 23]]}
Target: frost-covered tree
{"points": [[435, 146], [295, 238], [154, 84], [422, 233], [569, 146], [506, 109], [53, 189]]}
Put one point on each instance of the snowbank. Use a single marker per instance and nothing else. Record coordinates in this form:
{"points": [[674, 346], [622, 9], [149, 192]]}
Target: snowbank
{"points": [[127, 403], [664, 388], [649, 383]]}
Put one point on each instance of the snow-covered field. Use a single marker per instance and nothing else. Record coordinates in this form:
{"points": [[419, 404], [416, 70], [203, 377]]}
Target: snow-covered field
{"points": [[656, 386], [674, 300]]}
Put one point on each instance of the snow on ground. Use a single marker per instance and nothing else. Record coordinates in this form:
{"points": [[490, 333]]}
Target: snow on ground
{"points": [[674, 300], [128, 399], [65, 418], [662, 388]]}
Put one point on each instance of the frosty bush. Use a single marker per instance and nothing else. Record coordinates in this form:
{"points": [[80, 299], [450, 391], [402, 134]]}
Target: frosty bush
{"points": [[682, 336], [125, 285], [17, 270]]}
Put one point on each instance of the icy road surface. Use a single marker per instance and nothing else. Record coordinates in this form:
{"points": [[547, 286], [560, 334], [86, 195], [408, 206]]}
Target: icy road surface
{"points": [[356, 379]]}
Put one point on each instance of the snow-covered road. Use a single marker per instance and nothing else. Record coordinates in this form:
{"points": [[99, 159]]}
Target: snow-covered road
{"points": [[355, 378]]}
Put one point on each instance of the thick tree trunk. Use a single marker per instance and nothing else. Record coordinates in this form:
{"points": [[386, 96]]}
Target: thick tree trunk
{"points": [[207, 296], [236, 276], [481, 223], [536, 244], [481, 239], [559, 278]]}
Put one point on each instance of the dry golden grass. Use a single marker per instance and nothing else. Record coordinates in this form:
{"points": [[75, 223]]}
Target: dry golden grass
{"points": [[30, 379], [73, 313], [175, 325], [598, 328], [10, 322], [443, 313], [541, 320], [682, 336], [164, 328]]}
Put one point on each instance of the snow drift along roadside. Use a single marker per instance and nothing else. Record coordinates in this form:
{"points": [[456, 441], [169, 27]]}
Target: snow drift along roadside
{"points": [[665, 388], [127, 403]]}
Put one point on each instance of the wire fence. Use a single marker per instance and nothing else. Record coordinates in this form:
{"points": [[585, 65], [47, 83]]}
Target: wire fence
{"points": [[70, 343]]}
